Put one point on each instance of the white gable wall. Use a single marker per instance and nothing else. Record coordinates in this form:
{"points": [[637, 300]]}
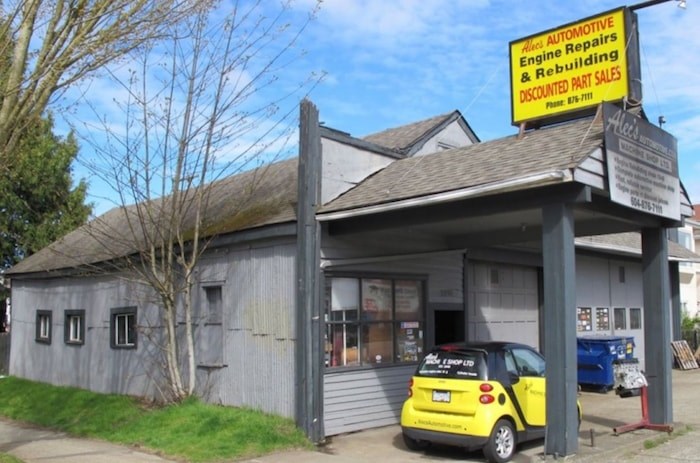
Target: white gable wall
{"points": [[452, 136], [344, 166]]}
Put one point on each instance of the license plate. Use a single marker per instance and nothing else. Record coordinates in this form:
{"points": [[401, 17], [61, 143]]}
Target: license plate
{"points": [[441, 396]]}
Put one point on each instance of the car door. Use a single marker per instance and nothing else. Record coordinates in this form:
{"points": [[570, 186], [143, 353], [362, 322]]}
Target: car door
{"points": [[529, 389]]}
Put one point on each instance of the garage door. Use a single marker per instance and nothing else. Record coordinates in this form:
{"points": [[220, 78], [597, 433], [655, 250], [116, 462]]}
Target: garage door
{"points": [[503, 303]]}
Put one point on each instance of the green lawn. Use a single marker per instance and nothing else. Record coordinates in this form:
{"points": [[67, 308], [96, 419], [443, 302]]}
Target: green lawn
{"points": [[191, 430], [5, 458]]}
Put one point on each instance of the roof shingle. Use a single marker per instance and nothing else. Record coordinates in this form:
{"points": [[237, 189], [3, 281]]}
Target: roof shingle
{"points": [[558, 147]]}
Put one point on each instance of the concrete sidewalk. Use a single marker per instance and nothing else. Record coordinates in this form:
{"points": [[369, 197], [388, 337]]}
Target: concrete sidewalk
{"points": [[597, 441], [33, 445]]}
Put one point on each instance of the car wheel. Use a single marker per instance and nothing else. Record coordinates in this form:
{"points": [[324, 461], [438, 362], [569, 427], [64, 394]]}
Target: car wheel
{"points": [[500, 447], [414, 444]]}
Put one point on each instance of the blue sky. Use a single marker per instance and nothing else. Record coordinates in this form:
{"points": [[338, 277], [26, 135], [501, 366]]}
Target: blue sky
{"points": [[392, 62]]}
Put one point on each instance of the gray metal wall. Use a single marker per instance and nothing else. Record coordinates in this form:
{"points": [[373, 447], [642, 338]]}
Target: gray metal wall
{"points": [[258, 328], [92, 365], [257, 331]]}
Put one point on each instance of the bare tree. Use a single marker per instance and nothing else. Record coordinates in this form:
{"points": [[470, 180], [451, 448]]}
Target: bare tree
{"points": [[206, 104], [48, 45]]}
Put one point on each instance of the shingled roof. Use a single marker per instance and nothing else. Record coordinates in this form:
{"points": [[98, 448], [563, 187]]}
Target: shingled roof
{"points": [[268, 195], [554, 148], [631, 243], [263, 196], [402, 139]]}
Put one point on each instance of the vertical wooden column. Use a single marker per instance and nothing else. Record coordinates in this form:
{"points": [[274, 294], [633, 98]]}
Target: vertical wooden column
{"points": [[657, 324], [309, 354], [559, 271]]}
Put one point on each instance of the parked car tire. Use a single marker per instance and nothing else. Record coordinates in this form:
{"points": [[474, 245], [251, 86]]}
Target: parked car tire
{"points": [[500, 447], [414, 444]]}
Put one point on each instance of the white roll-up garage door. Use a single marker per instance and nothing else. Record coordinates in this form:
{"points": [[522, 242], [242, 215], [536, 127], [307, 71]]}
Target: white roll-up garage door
{"points": [[503, 303]]}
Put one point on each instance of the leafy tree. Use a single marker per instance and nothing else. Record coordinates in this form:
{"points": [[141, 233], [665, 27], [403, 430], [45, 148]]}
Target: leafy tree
{"points": [[39, 201]]}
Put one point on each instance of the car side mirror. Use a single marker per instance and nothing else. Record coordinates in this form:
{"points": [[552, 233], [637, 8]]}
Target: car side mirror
{"points": [[513, 377]]}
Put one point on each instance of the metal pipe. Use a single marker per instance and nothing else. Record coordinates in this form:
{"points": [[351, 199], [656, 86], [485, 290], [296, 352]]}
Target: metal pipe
{"points": [[646, 4]]}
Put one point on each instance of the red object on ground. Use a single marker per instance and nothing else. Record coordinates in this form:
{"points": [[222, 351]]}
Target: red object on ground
{"points": [[644, 424]]}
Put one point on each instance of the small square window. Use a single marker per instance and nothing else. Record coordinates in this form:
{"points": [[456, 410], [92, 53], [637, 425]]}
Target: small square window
{"points": [[584, 320], [602, 319], [635, 319], [620, 318], [43, 326], [74, 328], [122, 328]]}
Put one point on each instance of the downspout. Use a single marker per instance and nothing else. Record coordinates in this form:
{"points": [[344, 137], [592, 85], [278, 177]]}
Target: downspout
{"points": [[309, 367]]}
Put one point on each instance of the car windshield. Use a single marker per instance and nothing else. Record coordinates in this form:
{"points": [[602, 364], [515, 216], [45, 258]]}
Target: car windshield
{"points": [[454, 364]]}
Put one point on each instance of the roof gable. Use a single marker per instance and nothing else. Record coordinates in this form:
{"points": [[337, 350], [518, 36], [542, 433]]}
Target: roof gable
{"points": [[410, 137]]}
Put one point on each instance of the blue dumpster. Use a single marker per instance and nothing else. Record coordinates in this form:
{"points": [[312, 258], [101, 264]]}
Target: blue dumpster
{"points": [[596, 355]]}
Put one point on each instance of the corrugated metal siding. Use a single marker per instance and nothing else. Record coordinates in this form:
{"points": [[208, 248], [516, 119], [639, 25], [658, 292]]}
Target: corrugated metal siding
{"points": [[93, 365], [364, 399], [258, 294], [259, 329]]}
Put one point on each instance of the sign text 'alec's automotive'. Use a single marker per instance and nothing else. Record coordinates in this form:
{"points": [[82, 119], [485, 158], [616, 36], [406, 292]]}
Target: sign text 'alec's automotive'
{"points": [[570, 68]]}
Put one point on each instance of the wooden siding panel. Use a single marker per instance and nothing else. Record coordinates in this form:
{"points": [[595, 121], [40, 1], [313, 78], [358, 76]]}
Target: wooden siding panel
{"points": [[364, 399]]}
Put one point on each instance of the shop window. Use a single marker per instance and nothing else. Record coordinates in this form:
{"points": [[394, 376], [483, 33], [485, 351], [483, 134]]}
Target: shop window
{"points": [[43, 326], [123, 328], [372, 321], [74, 327], [620, 318], [602, 319], [635, 319], [584, 320]]}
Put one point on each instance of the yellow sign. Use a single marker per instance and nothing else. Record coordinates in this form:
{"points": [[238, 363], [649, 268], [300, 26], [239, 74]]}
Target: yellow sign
{"points": [[569, 68]]}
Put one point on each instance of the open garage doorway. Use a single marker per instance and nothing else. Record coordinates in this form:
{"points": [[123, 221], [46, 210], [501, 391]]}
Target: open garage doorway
{"points": [[449, 326]]}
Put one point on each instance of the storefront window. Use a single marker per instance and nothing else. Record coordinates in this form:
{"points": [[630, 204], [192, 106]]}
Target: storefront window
{"points": [[373, 321]]}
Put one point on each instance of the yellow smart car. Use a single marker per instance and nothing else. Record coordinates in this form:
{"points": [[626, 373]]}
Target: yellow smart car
{"points": [[488, 395]]}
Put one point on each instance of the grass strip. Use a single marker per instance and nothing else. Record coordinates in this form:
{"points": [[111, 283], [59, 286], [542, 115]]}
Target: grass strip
{"points": [[190, 430]]}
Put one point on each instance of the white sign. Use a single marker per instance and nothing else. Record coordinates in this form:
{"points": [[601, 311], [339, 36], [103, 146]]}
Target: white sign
{"points": [[642, 164]]}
